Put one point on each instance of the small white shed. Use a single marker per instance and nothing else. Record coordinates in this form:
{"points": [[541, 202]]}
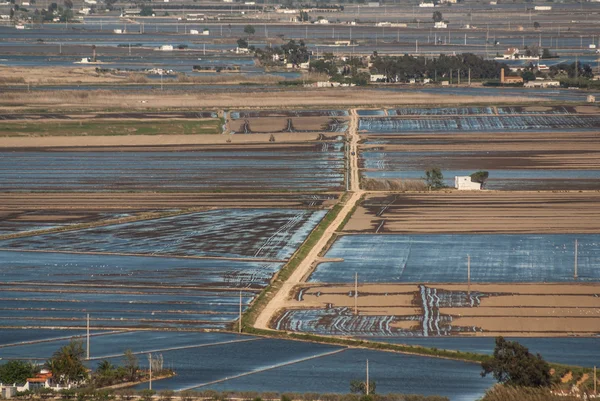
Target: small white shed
{"points": [[464, 183]]}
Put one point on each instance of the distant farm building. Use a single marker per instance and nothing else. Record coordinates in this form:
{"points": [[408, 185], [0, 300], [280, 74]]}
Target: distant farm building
{"points": [[542, 84], [509, 79], [440, 25], [464, 183]]}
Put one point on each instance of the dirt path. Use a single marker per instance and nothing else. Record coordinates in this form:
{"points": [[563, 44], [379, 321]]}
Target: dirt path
{"points": [[304, 269]]}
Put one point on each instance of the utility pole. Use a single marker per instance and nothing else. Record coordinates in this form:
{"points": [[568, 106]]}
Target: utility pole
{"points": [[595, 380], [575, 272], [88, 337], [469, 77], [465, 39], [356, 294], [367, 382], [417, 46], [469, 276], [150, 370], [240, 322], [458, 75]]}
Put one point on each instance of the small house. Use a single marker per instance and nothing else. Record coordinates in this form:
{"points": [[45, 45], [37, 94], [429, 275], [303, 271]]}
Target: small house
{"points": [[464, 183]]}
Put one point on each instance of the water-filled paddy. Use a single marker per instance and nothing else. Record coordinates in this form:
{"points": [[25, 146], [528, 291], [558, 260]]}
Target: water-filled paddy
{"points": [[572, 351], [397, 126], [247, 233], [393, 373], [311, 167], [125, 291], [443, 258]]}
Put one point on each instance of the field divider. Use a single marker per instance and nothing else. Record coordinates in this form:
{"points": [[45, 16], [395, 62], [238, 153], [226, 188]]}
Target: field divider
{"points": [[75, 336], [277, 366], [252, 312], [180, 348]]}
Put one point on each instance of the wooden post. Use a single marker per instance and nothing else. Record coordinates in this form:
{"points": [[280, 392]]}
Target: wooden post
{"points": [[240, 322], [150, 370], [356, 294], [367, 382], [575, 272], [88, 337], [469, 276]]}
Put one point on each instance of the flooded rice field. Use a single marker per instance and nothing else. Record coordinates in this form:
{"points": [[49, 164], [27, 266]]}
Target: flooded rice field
{"points": [[126, 291], [115, 270], [37, 220], [504, 123], [572, 351], [223, 361], [311, 167], [237, 233], [443, 258], [517, 169]]}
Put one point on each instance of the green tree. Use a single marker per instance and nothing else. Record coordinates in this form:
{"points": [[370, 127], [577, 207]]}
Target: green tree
{"points": [[434, 178], [68, 4], [242, 43], [437, 16], [66, 364], [359, 387], [304, 17], [546, 53], [480, 177], [146, 395], [514, 365], [536, 25], [146, 11], [249, 30], [17, 372], [528, 76], [131, 365]]}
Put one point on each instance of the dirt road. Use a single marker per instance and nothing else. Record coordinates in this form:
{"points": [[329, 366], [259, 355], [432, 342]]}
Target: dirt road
{"points": [[305, 268]]}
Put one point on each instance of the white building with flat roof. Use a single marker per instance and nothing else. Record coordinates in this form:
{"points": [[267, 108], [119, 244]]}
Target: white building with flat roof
{"points": [[464, 183]]}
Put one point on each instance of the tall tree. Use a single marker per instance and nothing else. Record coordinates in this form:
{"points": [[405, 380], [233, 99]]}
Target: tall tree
{"points": [[17, 372], [131, 364], [66, 364], [434, 178], [514, 365], [437, 16]]}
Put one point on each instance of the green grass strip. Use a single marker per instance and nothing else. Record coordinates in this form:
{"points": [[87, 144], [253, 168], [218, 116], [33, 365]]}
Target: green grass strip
{"points": [[250, 315]]}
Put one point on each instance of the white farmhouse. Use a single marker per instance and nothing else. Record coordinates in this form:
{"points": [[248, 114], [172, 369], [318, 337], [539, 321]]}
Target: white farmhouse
{"points": [[464, 183]]}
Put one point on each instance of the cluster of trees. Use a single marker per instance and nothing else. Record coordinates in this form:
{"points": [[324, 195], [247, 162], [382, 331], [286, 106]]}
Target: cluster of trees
{"points": [[341, 71], [407, 67], [67, 367], [513, 365], [293, 52]]}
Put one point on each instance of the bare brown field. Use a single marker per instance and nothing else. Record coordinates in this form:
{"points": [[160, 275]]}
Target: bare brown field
{"points": [[282, 124], [76, 203], [531, 142], [478, 212], [175, 141], [481, 309], [277, 98]]}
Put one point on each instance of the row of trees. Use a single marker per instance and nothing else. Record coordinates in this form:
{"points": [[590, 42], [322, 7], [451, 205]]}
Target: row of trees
{"points": [[434, 178], [407, 67]]}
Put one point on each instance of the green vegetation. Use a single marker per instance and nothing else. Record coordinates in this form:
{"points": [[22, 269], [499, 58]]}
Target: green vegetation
{"points": [[434, 178], [504, 393], [250, 315], [512, 364], [146, 11], [249, 30], [407, 67], [437, 16], [17, 372], [292, 52], [66, 364], [360, 387], [480, 177], [111, 128]]}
